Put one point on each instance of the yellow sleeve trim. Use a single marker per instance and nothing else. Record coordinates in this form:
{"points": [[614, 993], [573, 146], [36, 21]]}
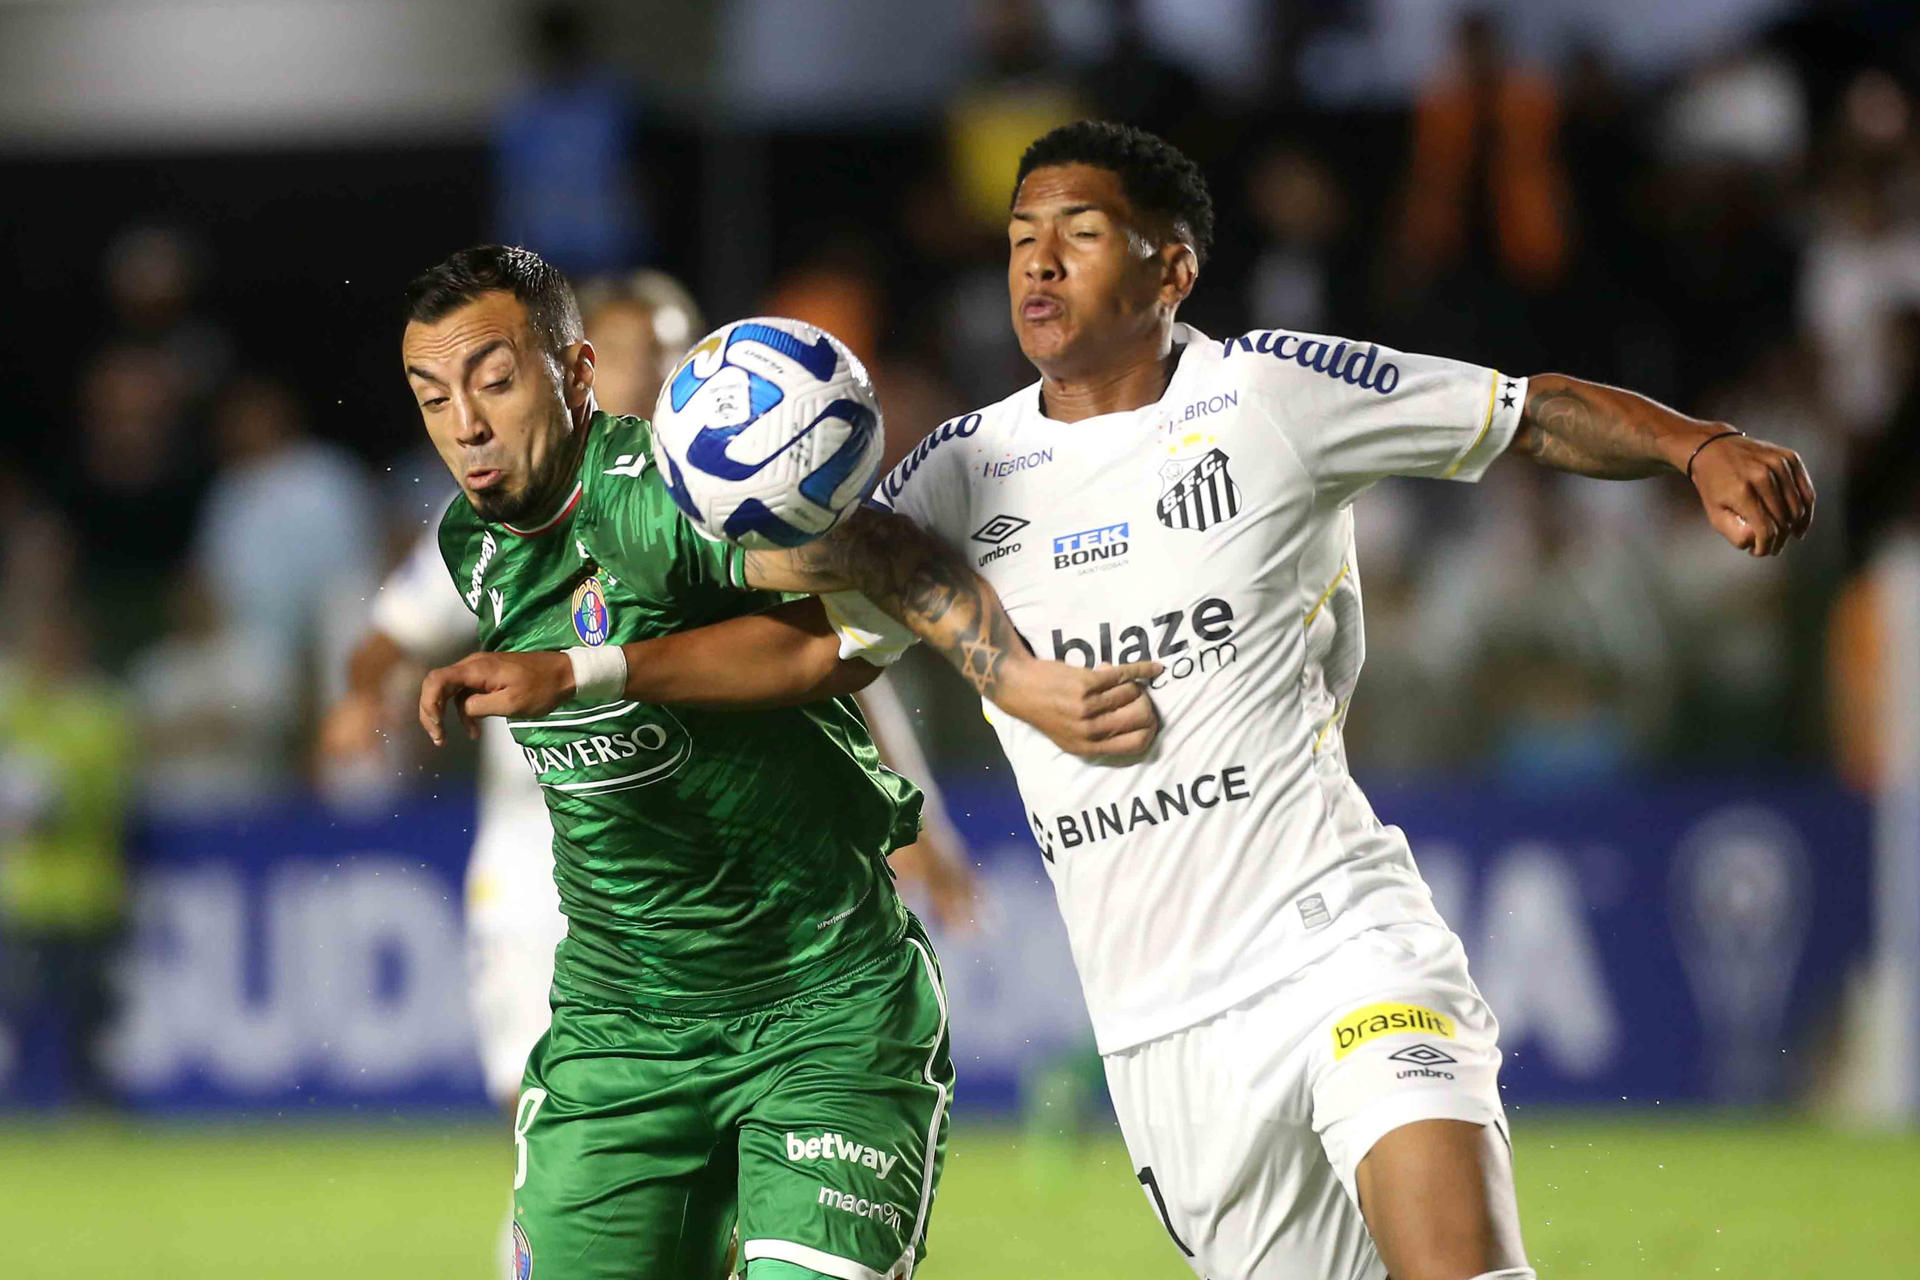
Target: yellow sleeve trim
{"points": [[1493, 389]]}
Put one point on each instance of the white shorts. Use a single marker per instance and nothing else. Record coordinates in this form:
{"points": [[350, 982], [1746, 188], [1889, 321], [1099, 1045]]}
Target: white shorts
{"points": [[513, 925], [1246, 1130]]}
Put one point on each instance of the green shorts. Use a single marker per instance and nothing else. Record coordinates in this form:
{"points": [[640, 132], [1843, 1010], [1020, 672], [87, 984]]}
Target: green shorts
{"points": [[817, 1126]]}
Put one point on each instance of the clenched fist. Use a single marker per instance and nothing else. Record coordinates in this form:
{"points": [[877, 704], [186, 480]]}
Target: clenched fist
{"points": [[1758, 495]]}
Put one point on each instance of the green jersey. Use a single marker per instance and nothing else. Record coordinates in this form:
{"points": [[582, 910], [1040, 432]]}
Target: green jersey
{"points": [[707, 861]]}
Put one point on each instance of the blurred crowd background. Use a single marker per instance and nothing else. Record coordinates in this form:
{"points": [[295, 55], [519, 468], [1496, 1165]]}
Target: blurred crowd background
{"points": [[212, 458]]}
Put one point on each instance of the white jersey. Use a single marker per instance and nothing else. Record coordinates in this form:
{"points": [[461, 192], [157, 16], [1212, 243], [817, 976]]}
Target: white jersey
{"points": [[421, 609], [1210, 532]]}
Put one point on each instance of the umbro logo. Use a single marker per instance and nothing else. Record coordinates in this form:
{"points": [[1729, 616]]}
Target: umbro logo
{"points": [[1424, 1062], [999, 529], [1423, 1055], [995, 533]]}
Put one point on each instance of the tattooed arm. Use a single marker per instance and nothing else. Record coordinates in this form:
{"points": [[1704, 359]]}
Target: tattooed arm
{"points": [[928, 586], [1757, 495]]}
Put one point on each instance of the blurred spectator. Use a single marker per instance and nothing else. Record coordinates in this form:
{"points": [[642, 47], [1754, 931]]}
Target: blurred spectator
{"points": [[1300, 211], [640, 324], [1828, 43], [133, 485], [1485, 188], [216, 720], [66, 747], [1744, 108], [837, 287], [1857, 638], [564, 180], [1019, 92], [289, 531], [1541, 618], [153, 279], [1863, 259]]}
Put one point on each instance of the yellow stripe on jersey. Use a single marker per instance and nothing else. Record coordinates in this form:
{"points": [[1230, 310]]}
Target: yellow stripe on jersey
{"points": [[1387, 1019], [1318, 604], [1492, 389], [1338, 709]]}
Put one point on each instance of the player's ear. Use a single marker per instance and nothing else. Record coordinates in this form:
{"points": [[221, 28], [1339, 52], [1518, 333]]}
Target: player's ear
{"points": [[1179, 270], [576, 371]]}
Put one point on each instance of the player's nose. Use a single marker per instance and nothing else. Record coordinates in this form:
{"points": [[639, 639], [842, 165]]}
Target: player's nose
{"points": [[1042, 263], [469, 425]]}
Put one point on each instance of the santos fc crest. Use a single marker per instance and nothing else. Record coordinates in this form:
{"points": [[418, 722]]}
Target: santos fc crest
{"points": [[1197, 493]]}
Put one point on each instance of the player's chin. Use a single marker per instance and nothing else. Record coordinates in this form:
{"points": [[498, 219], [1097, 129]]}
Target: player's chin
{"points": [[1044, 341], [498, 503]]}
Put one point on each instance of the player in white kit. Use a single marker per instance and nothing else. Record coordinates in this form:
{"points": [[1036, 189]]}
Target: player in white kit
{"points": [[1304, 1072]]}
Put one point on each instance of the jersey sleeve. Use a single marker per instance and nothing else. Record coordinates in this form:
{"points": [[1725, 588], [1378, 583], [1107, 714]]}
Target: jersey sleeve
{"points": [[419, 607], [929, 486], [1356, 412]]}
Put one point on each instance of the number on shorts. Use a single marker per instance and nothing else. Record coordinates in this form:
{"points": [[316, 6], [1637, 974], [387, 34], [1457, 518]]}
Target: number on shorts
{"points": [[522, 1121], [1159, 1202]]}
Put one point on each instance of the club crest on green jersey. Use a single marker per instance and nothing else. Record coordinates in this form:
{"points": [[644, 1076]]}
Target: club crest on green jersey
{"points": [[590, 618], [522, 1255]]}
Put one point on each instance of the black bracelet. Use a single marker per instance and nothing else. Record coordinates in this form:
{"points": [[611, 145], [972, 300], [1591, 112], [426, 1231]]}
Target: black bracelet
{"points": [[1730, 431]]}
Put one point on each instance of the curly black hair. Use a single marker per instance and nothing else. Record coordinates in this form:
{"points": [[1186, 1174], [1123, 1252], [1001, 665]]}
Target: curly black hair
{"points": [[1159, 180]]}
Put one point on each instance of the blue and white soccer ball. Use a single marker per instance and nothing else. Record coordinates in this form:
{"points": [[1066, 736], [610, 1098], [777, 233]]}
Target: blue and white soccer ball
{"points": [[768, 433]]}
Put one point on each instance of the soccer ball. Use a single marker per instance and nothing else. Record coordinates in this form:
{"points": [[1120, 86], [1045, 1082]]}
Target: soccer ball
{"points": [[768, 433]]}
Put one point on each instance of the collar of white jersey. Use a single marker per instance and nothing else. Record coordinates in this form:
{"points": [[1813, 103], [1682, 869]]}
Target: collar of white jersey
{"points": [[1185, 336]]}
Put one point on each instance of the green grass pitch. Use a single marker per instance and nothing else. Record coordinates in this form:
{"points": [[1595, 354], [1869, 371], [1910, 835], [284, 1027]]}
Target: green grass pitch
{"points": [[1642, 1197]]}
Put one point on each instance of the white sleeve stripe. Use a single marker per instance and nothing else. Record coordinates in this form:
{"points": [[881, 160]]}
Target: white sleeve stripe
{"points": [[939, 1106], [1493, 389]]}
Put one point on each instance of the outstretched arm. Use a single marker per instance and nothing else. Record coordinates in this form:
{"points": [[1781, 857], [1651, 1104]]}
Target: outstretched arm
{"points": [[1757, 495], [914, 577], [929, 587], [786, 656]]}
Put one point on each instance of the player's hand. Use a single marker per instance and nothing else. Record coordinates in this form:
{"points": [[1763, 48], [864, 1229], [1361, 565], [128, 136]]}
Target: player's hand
{"points": [[494, 684], [1096, 714], [1758, 495]]}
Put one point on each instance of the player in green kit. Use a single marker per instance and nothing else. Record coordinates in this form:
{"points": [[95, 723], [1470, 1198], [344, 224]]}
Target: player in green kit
{"points": [[748, 1026]]}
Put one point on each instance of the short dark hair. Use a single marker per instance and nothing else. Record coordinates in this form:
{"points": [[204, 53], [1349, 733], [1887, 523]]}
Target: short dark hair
{"points": [[541, 287], [1158, 178]]}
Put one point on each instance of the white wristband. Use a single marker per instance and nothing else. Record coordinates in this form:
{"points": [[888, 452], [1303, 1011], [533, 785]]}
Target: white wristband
{"points": [[599, 673]]}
